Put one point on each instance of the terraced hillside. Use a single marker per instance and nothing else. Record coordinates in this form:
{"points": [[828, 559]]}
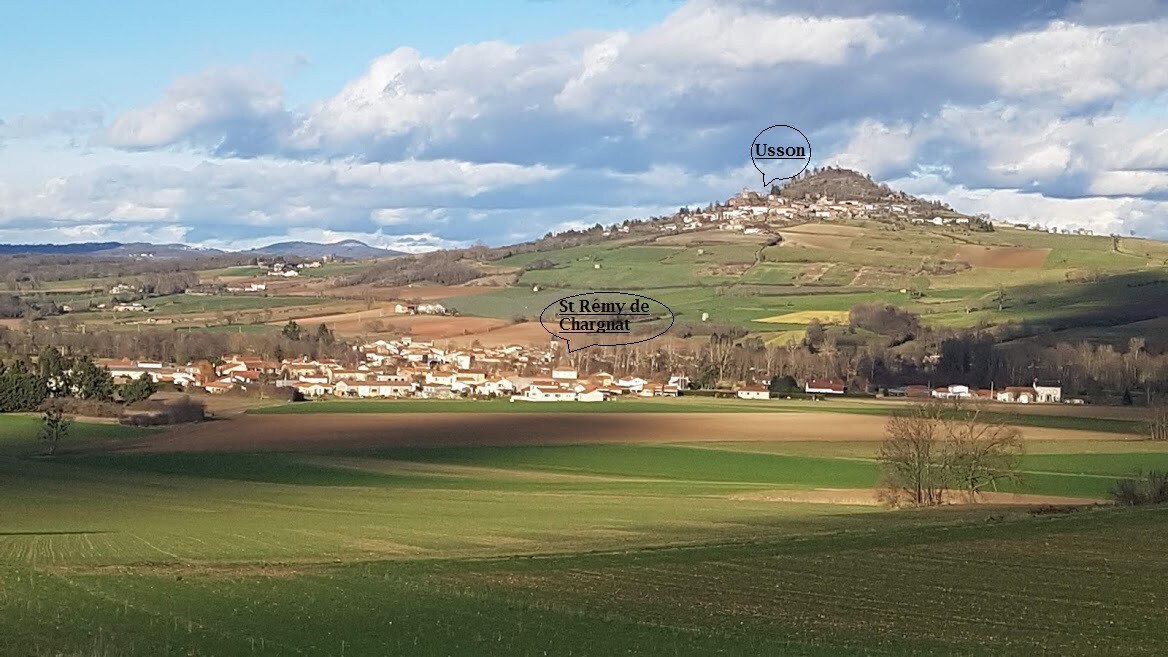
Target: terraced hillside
{"points": [[1083, 285]]}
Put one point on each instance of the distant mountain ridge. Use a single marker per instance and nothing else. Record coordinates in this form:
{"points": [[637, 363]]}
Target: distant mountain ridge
{"points": [[343, 249]]}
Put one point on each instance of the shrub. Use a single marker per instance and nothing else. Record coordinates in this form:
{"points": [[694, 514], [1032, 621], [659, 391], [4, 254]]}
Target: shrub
{"points": [[177, 411], [83, 407], [1152, 489]]}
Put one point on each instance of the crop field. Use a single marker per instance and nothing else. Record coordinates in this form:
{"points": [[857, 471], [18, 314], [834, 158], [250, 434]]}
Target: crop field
{"points": [[162, 547], [808, 316]]}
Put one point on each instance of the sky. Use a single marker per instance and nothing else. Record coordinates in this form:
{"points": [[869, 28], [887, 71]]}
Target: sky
{"points": [[422, 125]]}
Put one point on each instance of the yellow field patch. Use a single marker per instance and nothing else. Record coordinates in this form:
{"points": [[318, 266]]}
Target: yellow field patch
{"points": [[784, 338], [805, 317]]}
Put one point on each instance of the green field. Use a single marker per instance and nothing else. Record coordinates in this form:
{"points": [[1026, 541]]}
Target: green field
{"points": [[583, 549], [189, 303], [20, 430]]}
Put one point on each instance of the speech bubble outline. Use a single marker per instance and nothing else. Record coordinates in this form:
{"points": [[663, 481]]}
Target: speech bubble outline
{"points": [[568, 341], [754, 160]]}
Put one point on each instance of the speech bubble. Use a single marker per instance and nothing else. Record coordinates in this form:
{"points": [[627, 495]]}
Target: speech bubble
{"points": [[780, 152], [602, 319]]}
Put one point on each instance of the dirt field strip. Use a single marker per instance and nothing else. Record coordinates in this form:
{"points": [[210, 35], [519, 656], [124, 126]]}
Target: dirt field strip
{"points": [[869, 497], [816, 240], [394, 466], [372, 430], [524, 333], [422, 327], [1002, 257]]}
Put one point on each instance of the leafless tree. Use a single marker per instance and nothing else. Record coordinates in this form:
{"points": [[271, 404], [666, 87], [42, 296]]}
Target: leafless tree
{"points": [[1158, 423], [980, 452], [912, 470], [933, 448]]}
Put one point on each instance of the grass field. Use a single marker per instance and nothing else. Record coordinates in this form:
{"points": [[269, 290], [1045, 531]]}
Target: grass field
{"points": [[574, 549]]}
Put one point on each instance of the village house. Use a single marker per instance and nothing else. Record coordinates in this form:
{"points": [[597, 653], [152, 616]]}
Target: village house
{"points": [[342, 374], [564, 374], [539, 393], [496, 386], [218, 387], [436, 391], [591, 394], [631, 383], [313, 390]]}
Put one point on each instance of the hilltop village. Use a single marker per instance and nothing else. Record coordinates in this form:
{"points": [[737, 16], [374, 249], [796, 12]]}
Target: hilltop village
{"points": [[829, 194]]}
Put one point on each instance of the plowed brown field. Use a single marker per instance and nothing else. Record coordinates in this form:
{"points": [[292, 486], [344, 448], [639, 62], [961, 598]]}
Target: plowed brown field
{"points": [[301, 432], [1002, 257]]}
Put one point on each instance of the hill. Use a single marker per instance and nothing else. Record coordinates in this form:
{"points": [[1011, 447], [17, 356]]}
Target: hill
{"points": [[832, 240], [353, 249], [839, 184], [349, 249], [111, 250]]}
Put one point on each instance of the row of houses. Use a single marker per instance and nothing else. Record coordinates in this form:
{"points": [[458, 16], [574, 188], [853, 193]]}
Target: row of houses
{"points": [[1036, 393], [812, 386]]}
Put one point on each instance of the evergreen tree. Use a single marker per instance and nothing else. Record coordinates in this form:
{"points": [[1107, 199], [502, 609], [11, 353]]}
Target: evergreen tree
{"points": [[21, 389], [323, 334], [291, 330], [91, 381], [54, 370], [137, 389]]}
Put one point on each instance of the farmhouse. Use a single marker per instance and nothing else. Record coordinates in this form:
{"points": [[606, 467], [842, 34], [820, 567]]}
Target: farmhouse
{"points": [[1048, 393], [754, 391], [1016, 394], [825, 387], [953, 392]]}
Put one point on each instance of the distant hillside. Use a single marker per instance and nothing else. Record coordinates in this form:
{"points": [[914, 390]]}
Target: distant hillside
{"points": [[342, 249], [110, 250], [351, 249], [145, 249], [82, 248]]}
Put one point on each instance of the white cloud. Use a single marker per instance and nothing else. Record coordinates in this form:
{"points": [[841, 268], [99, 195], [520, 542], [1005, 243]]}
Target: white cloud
{"points": [[1023, 114], [1078, 63], [206, 108]]}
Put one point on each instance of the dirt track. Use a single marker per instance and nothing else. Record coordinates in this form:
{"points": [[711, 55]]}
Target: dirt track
{"points": [[370, 430]]}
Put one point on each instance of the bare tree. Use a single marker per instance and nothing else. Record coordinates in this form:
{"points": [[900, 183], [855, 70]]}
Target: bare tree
{"points": [[980, 453], [1158, 423], [910, 457], [931, 449], [54, 427]]}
